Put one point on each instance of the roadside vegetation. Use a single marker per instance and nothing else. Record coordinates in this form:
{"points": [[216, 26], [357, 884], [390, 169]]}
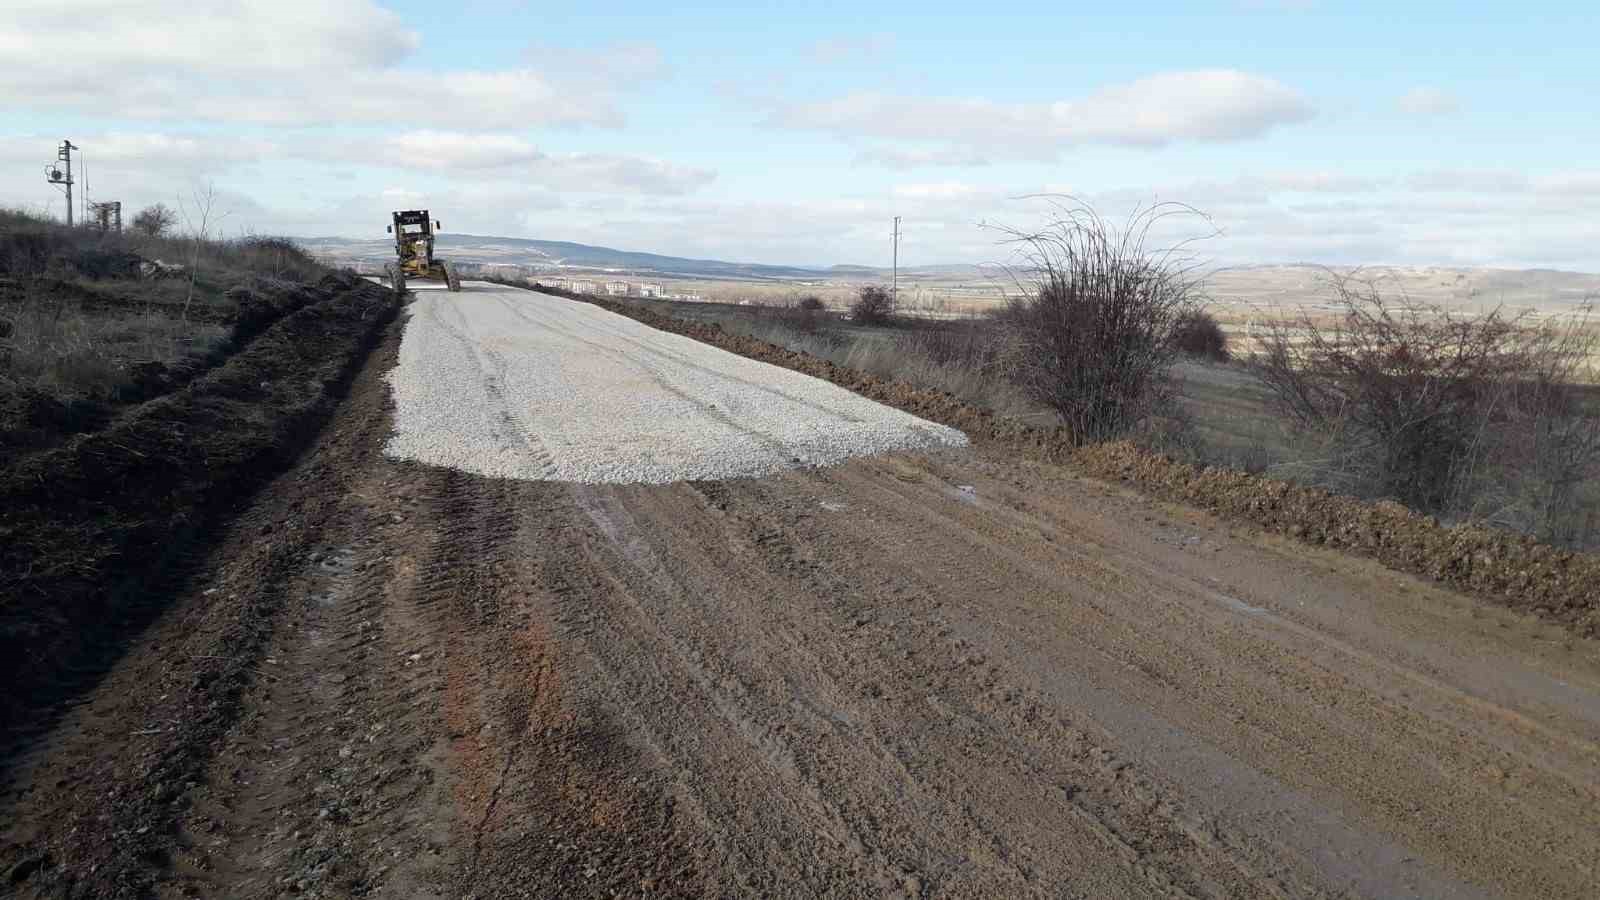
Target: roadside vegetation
{"points": [[91, 322], [1492, 419]]}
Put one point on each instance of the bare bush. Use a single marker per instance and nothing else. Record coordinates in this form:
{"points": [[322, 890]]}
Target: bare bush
{"points": [[1480, 416], [873, 306], [155, 220], [807, 315], [1093, 334], [1197, 334], [1534, 464]]}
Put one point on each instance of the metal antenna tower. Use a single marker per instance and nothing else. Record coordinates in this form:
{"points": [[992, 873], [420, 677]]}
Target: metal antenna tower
{"points": [[53, 174]]}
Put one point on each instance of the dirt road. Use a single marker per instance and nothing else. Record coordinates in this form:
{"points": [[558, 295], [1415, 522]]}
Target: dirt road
{"points": [[952, 674]]}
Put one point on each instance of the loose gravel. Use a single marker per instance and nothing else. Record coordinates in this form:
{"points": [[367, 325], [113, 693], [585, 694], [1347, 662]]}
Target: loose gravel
{"points": [[517, 384]]}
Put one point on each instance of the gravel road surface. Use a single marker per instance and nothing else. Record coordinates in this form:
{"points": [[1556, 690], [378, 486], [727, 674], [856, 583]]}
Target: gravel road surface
{"points": [[928, 674], [511, 383]]}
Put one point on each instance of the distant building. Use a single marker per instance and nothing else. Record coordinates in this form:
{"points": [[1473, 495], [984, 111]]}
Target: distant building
{"points": [[617, 288], [649, 290], [582, 287]]}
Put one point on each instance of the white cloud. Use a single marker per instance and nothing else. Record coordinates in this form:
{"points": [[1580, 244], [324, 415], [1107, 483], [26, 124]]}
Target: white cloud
{"points": [[1481, 181], [280, 62], [149, 152], [515, 158], [1570, 184], [836, 50], [916, 157], [1428, 102], [1319, 182], [1205, 105], [941, 189], [601, 69]]}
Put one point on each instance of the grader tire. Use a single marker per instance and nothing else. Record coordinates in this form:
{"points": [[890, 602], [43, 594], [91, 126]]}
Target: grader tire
{"points": [[451, 279], [397, 277]]}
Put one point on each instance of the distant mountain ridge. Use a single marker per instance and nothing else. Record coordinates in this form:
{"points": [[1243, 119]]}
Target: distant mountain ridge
{"points": [[1264, 282], [568, 255]]}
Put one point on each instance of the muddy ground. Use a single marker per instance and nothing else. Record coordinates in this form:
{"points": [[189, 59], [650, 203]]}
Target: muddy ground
{"points": [[966, 674]]}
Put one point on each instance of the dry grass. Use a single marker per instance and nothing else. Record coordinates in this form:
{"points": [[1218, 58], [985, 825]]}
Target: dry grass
{"points": [[81, 332], [61, 351], [897, 357]]}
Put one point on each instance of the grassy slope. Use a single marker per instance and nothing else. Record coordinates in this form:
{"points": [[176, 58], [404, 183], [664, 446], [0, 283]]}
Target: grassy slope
{"points": [[83, 334]]}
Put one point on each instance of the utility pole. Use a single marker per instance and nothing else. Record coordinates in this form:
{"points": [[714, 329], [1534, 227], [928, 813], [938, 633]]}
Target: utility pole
{"points": [[894, 290], [54, 176]]}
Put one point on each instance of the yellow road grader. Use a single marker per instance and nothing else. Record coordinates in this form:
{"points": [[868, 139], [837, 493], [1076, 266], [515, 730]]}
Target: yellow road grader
{"points": [[413, 232]]}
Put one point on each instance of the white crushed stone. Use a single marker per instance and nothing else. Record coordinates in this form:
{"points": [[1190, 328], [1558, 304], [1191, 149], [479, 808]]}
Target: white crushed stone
{"points": [[516, 384]]}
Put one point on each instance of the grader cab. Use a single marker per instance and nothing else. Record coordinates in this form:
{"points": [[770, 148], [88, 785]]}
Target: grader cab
{"points": [[413, 232]]}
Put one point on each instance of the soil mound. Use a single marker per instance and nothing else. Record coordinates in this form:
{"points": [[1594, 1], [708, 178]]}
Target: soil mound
{"points": [[89, 530]]}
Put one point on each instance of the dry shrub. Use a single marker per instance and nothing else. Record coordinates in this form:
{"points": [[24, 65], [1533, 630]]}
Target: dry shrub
{"points": [[1477, 416], [873, 306], [155, 220], [807, 315], [1093, 335], [1197, 334]]}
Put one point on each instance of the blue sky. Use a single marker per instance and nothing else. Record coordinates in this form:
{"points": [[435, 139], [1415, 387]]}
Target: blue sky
{"points": [[1309, 131]]}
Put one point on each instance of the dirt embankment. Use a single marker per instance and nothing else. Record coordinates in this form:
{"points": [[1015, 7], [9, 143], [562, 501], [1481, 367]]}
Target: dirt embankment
{"points": [[1500, 566], [92, 532], [36, 418]]}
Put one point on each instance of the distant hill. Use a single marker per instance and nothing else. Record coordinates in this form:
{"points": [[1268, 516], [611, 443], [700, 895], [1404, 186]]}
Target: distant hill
{"points": [[1269, 284], [556, 256]]}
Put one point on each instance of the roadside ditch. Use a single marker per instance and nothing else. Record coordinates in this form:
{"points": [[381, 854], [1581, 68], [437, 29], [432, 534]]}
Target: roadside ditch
{"points": [[95, 533]]}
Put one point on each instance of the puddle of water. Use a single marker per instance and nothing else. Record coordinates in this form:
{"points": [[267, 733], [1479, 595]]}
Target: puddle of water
{"points": [[1238, 605], [338, 562]]}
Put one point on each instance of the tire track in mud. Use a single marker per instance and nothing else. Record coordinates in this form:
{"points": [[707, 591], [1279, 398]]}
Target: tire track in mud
{"points": [[734, 701], [547, 795], [1289, 694], [1089, 783], [681, 660], [1112, 627]]}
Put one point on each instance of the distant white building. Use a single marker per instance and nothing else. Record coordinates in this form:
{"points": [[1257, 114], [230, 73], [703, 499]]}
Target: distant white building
{"points": [[617, 288], [649, 290], [582, 287]]}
